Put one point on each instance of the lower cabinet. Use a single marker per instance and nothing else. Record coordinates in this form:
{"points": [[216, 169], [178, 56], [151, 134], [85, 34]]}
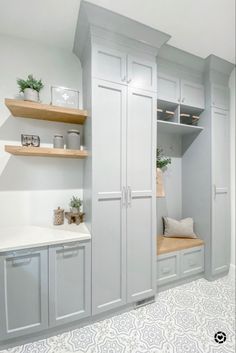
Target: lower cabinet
{"points": [[69, 283], [23, 292], [41, 288], [179, 264]]}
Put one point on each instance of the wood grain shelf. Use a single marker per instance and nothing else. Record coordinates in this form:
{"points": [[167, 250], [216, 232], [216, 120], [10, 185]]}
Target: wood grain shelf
{"points": [[45, 152], [24, 109], [166, 245]]}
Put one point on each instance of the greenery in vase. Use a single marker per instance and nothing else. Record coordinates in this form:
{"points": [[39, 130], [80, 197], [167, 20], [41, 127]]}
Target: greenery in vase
{"points": [[30, 82], [161, 161], [75, 202]]}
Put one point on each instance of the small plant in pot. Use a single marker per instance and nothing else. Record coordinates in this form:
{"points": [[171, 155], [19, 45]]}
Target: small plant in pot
{"points": [[161, 161], [30, 87], [75, 204]]}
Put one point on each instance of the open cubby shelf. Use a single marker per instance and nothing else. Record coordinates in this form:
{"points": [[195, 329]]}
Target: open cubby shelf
{"points": [[177, 128], [45, 152], [32, 110]]}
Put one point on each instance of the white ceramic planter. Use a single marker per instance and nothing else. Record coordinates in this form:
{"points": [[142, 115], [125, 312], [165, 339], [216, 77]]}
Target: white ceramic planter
{"points": [[31, 95], [74, 210]]}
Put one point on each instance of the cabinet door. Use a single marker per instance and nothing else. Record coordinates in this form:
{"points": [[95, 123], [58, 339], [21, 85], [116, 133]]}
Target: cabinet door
{"points": [[109, 212], [192, 94], [141, 177], [23, 293], [168, 88], [69, 282], [141, 73], [221, 197], [220, 97], [109, 64], [192, 261], [168, 268]]}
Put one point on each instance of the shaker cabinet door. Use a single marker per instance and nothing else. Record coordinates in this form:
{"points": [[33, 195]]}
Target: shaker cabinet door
{"points": [[69, 282], [109, 211], [23, 293], [109, 64], [168, 88], [221, 197], [192, 94], [141, 214], [141, 73], [220, 97]]}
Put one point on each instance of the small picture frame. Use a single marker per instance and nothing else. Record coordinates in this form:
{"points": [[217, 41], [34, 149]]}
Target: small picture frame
{"points": [[64, 97]]}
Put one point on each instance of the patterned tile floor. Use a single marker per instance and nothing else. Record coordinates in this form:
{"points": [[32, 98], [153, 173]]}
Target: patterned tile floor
{"points": [[183, 320]]}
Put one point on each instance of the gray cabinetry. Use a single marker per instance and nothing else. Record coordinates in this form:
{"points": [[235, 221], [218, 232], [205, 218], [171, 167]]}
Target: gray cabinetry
{"points": [[141, 133], [23, 293], [109, 210], [69, 282], [220, 96], [220, 193], [179, 264], [109, 64], [179, 91], [117, 66], [168, 88], [192, 261], [192, 94]]}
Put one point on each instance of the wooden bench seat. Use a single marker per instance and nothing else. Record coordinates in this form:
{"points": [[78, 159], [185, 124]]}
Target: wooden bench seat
{"points": [[166, 245]]}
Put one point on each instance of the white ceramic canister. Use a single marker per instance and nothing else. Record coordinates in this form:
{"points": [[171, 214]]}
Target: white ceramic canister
{"points": [[58, 141], [73, 140]]}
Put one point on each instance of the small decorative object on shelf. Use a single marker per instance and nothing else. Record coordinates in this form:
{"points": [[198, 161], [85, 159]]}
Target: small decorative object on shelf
{"points": [[30, 87], [75, 204], [64, 97], [30, 140], [74, 217], [73, 140], [189, 119], [58, 217], [58, 141], [161, 162]]}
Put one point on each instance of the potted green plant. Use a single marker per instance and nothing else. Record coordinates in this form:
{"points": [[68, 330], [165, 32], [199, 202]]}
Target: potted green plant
{"points": [[161, 162], [30, 87], [75, 204]]}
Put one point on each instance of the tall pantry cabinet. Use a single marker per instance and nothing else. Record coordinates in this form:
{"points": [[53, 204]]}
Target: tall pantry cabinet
{"points": [[119, 78]]}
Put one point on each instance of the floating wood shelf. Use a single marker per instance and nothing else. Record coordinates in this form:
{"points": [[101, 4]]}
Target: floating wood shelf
{"points": [[25, 109], [45, 152], [166, 245]]}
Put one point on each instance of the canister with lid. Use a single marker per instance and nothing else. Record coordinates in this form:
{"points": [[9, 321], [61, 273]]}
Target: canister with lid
{"points": [[58, 141], [73, 140]]}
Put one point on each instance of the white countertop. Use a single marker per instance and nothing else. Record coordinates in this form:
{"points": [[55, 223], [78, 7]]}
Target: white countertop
{"points": [[23, 237]]}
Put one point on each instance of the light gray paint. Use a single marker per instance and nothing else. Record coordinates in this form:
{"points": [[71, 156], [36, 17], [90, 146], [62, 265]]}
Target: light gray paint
{"points": [[23, 293], [114, 23], [168, 268], [69, 282], [192, 261]]}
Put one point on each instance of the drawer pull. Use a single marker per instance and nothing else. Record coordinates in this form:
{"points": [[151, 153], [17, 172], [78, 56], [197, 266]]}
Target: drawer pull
{"points": [[165, 270], [20, 259], [71, 246]]}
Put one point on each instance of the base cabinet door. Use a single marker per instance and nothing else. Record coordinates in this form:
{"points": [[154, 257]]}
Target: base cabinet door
{"points": [[69, 282], [23, 293], [168, 268], [141, 213], [220, 198], [192, 261]]}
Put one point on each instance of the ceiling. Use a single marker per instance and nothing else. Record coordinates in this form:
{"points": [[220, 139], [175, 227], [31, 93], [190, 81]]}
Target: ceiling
{"points": [[200, 27]]}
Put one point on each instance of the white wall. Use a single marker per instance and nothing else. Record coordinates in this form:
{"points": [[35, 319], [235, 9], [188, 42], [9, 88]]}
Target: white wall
{"points": [[232, 159], [171, 204], [30, 187]]}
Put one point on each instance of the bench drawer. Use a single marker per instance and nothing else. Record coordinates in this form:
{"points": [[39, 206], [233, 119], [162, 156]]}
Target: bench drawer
{"points": [[192, 261], [168, 267]]}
